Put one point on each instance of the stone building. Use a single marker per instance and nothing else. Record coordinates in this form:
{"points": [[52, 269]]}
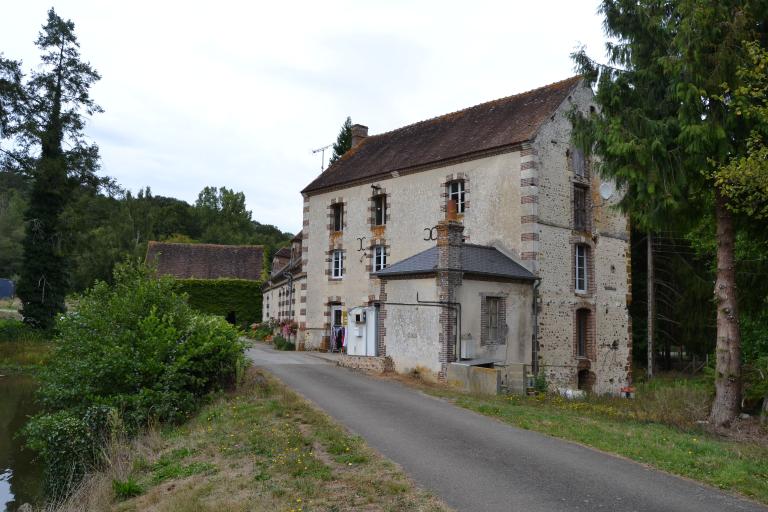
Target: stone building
{"points": [[286, 286], [531, 274]]}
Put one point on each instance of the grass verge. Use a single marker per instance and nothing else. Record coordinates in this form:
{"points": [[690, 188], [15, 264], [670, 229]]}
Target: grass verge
{"points": [[21, 347], [261, 448], [636, 429]]}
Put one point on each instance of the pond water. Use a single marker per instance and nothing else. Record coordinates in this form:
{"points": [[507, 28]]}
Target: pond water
{"points": [[20, 477]]}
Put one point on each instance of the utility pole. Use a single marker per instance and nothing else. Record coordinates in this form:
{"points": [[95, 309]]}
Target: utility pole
{"points": [[322, 158], [651, 306]]}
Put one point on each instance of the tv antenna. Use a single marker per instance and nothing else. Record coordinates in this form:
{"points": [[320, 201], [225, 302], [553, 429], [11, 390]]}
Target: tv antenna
{"points": [[322, 158]]}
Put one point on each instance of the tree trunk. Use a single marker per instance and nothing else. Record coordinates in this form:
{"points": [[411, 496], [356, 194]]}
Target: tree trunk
{"points": [[728, 351], [651, 306]]}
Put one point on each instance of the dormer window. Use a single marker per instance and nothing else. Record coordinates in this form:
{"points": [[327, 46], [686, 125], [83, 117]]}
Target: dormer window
{"points": [[456, 193]]}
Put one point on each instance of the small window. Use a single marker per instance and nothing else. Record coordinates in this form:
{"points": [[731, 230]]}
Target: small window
{"points": [[456, 193], [582, 257], [579, 208], [582, 325], [338, 217], [493, 318], [380, 210], [379, 258], [578, 163], [337, 268]]}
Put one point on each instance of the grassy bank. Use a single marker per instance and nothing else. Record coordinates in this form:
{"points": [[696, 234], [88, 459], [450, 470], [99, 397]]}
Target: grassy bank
{"points": [[260, 448], [21, 347], [659, 429]]}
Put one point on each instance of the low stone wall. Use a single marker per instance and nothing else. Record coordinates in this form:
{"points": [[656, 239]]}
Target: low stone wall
{"points": [[367, 363]]}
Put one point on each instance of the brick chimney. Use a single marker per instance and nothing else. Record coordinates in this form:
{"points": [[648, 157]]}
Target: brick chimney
{"points": [[450, 239], [359, 132]]}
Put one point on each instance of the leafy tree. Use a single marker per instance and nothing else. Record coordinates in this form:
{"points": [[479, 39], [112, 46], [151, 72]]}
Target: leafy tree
{"points": [[223, 216], [43, 119], [343, 141], [665, 128], [12, 208]]}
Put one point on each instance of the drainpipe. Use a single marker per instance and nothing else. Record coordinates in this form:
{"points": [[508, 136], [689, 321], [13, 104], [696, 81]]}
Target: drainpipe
{"points": [[535, 349]]}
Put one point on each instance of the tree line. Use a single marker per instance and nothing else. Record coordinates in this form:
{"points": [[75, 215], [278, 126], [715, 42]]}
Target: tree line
{"points": [[62, 225]]}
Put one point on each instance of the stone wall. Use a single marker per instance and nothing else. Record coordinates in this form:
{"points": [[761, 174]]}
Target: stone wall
{"points": [[367, 363], [415, 201], [609, 342]]}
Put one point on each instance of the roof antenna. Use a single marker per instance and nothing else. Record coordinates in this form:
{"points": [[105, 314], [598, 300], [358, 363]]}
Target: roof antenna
{"points": [[322, 159]]}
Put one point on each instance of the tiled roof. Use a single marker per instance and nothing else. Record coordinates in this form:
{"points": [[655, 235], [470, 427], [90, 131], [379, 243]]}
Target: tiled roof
{"points": [[207, 261], [283, 252], [475, 259], [496, 124]]}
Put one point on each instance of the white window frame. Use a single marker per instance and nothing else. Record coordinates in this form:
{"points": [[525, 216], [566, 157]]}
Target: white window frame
{"points": [[581, 265], [379, 258], [456, 191], [337, 264]]}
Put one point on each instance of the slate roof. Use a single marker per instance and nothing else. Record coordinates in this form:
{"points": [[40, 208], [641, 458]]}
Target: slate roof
{"points": [[206, 261], [495, 124], [478, 260]]}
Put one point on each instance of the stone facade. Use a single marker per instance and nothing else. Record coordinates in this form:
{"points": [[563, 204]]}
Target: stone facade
{"points": [[522, 202]]}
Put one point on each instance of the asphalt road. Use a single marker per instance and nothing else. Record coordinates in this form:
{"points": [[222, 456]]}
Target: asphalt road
{"points": [[475, 463]]}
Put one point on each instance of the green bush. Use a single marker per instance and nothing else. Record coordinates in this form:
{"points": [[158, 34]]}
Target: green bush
{"points": [[224, 296], [282, 343], [137, 349]]}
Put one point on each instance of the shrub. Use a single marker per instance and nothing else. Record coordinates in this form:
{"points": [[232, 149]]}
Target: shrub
{"points": [[18, 331], [282, 343], [259, 331], [125, 489], [137, 349]]}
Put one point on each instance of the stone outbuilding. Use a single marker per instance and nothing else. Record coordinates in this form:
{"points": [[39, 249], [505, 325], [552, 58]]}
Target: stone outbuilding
{"points": [[206, 261]]}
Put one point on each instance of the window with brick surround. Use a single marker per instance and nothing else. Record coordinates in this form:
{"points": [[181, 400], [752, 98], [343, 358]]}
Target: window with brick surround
{"points": [[578, 163], [581, 284], [337, 264], [582, 332], [580, 194], [379, 210], [337, 217], [379, 258], [456, 192]]}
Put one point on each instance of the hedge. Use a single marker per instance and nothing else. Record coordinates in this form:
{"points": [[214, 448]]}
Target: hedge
{"points": [[224, 296]]}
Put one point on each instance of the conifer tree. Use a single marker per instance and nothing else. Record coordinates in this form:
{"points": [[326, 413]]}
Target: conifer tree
{"points": [[665, 127], [47, 125], [343, 141]]}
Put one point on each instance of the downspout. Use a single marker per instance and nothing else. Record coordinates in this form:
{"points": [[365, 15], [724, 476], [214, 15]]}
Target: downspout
{"points": [[535, 340]]}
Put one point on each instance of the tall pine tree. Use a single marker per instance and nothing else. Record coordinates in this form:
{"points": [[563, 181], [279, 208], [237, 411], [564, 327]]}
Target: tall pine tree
{"points": [[665, 128], [48, 117], [343, 141]]}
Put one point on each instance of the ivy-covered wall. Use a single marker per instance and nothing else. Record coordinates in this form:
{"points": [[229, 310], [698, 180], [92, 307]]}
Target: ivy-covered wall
{"points": [[225, 296]]}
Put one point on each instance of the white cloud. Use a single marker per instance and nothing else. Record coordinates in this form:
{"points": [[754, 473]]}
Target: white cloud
{"points": [[236, 94]]}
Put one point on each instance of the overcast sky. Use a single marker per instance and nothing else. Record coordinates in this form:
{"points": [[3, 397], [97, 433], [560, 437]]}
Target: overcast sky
{"points": [[237, 94]]}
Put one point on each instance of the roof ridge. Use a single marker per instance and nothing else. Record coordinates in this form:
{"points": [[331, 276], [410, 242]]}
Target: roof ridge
{"points": [[478, 105], [158, 242]]}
